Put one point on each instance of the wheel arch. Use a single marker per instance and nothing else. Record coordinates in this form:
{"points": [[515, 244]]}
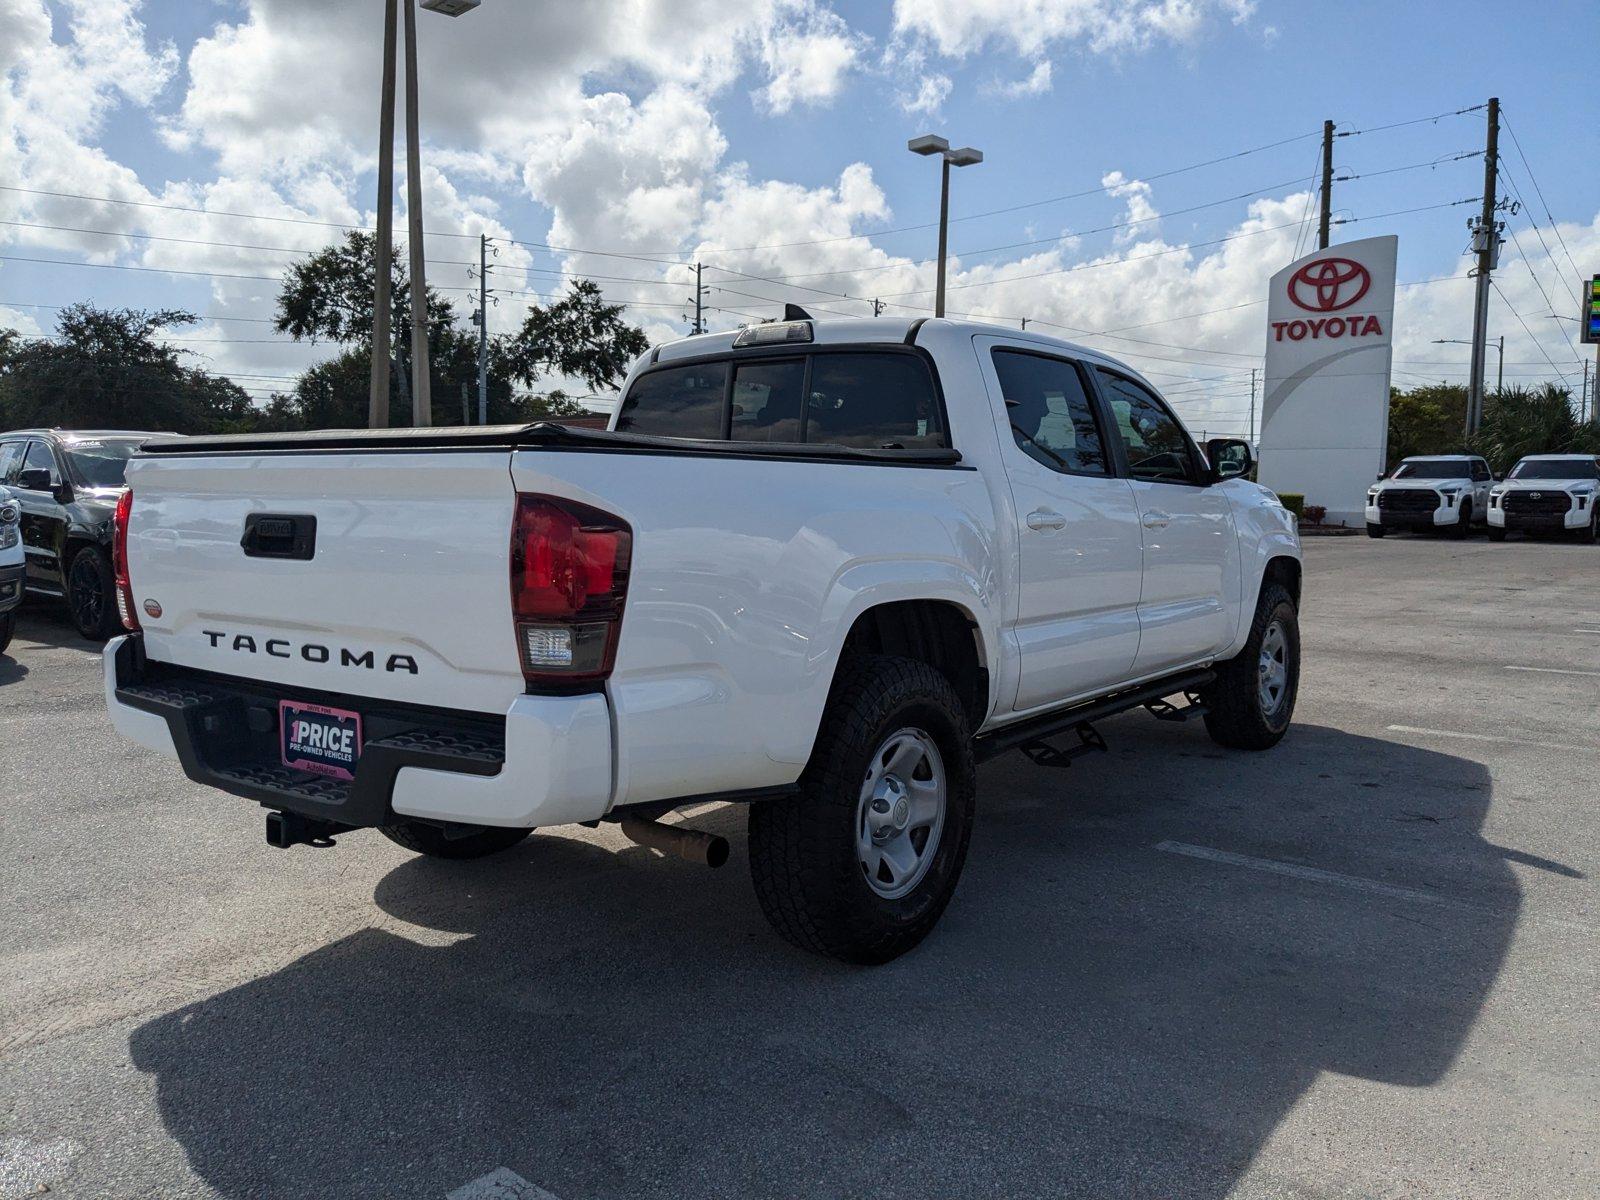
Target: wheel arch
{"points": [[943, 634]]}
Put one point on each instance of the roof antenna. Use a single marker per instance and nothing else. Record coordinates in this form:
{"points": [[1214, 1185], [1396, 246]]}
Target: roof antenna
{"points": [[793, 312]]}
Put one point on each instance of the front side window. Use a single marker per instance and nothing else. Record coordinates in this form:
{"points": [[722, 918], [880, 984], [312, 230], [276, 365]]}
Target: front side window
{"points": [[100, 464], [679, 402], [873, 401], [1157, 447], [39, 458], [10, 460], [1052, 419], [767, 401], [1480, 470]]}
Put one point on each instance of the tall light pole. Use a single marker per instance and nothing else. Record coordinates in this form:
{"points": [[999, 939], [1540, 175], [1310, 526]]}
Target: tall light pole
{"points": [[1499, 344], [382, 305], [378, 398], [932, 143]]}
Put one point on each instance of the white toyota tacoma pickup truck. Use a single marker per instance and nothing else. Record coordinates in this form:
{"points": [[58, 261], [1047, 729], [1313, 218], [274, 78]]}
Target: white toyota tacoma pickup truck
{"points": [[821, 569], [1547, 493]]}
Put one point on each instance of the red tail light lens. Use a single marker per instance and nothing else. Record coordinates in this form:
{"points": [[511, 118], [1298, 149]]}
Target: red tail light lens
{"points": [[119, 561], [569, 578]]}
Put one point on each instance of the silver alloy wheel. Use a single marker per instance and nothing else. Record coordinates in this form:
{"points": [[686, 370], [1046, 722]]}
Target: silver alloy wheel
{"points": [[901, 812], [1272, 673]]}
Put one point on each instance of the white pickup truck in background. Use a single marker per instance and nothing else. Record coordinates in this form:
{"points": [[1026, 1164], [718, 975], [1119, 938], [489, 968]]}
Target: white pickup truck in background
{"points": [[819, 568], [1547, 493]]}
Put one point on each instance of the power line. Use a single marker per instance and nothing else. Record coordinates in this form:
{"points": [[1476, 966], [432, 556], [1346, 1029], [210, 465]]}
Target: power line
{"points": [[1539, 191], [1459, 112], [1537, 344]]}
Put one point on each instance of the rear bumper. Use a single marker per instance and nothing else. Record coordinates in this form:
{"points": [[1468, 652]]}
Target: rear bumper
{"points": [[548, 762], [11, 584]]}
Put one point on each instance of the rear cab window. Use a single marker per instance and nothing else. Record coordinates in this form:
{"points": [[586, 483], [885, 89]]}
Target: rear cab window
{"points": [[873, 398]]}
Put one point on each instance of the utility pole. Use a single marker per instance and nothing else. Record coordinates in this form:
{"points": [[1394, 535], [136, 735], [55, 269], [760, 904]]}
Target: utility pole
{"points": [[699, 292], [421, 381], [1325, 218], [483, 329], [877, 306], [1024, 321], [382, 340], [1486, 241], [1252, 406]]}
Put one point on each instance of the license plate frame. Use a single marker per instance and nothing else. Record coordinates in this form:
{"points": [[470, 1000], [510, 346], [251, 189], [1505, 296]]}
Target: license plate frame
{"points": [[319, 739]]}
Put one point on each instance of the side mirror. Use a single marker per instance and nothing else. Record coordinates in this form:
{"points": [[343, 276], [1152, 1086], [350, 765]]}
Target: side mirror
{"points": [[1230, 458], [34, 479]]}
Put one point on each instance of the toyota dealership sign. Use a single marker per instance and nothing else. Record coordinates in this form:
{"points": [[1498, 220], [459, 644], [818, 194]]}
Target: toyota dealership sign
{"points": [[1325, 417]]}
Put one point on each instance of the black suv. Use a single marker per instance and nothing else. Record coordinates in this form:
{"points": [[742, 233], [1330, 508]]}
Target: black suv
{"points": [[67, 484]]}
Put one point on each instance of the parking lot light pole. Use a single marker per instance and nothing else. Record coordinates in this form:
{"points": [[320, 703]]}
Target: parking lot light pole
{"points": [[932, 143], [1500, 346]]}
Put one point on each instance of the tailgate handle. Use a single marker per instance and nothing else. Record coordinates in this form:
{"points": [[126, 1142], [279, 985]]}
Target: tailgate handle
{"points": [[275, 535]]}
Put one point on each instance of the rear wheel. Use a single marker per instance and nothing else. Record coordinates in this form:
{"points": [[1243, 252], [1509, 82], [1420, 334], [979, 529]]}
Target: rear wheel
{"points": [[861, 864], [459, 843], [91, 600], [1251, 702], [1374, 531]]}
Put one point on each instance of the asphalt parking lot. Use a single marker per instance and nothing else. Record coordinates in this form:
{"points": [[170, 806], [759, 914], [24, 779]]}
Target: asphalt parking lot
{"points": [[1365, 964]]}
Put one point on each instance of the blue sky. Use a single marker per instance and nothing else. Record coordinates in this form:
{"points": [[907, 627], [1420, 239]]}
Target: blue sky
{"points": [[665, 133]]}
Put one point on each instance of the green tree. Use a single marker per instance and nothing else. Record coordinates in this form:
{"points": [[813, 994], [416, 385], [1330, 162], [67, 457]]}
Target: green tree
{"points": [[1520, 421], [108, 369], [329, 297], [1426, 420]]}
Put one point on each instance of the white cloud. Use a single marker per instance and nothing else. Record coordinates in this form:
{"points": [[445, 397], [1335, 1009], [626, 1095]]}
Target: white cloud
{"points": [[1036, 83], [931, 92], [958, 28], [1141, 211], [807, 61]]}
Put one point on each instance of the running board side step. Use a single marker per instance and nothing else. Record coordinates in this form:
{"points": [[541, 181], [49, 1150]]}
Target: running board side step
{"points": [[1037, 729]]}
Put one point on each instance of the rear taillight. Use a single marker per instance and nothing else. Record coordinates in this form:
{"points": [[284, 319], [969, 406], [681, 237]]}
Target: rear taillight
{"points": [[119, 561], [569, 578]]}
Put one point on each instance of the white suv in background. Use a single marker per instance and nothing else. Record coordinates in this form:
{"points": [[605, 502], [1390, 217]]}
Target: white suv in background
{"points": [[1431, 491], [1547, 493]]}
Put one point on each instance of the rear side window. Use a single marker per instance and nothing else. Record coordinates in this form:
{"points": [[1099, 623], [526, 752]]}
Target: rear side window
{"points": [[1052, 419], [874, 401], [681, 402]]}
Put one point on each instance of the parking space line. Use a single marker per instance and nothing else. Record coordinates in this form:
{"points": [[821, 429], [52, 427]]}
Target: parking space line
{"points": [[1315, 875], [1420, 731], [502, 1183], [1586, 631], [1555, 671]]}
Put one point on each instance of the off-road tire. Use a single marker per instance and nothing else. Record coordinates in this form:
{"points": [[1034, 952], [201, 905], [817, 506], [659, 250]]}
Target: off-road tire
{"points": [[1497, 533], [8, 626], [803, 858], [432, 840], [89, 570], [1375, 531], [1463, 521], [1235, 716]]}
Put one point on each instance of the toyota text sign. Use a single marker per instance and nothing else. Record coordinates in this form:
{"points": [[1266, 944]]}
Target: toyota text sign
{"points": [[1325, 412]]}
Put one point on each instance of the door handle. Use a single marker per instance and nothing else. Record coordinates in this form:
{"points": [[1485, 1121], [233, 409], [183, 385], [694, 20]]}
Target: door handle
{"points": [[1044, 518], [1155, 519]]}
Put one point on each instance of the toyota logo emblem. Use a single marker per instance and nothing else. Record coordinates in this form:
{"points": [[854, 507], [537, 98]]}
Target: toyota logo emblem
{"points": [[1535, 495], [1329, 284]]}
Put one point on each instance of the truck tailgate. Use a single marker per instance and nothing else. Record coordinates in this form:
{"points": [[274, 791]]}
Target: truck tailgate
{"points": [[404, 596]]}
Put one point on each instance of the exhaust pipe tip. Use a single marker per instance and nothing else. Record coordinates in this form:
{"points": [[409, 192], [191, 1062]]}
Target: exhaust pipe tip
{"points": [[695, 845]]}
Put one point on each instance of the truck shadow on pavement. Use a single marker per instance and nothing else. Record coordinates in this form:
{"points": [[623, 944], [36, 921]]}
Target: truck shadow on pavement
{"points": [[1099, 1015]]}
